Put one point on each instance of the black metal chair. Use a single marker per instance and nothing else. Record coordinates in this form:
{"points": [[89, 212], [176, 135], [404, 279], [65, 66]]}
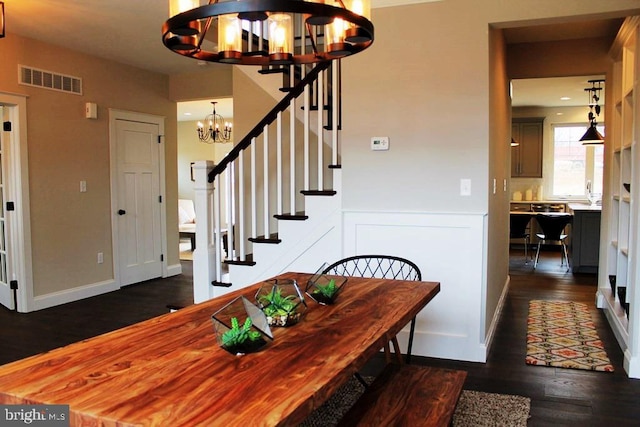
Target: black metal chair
{"points": [[518, 229], [552, 226], [383, 267]]}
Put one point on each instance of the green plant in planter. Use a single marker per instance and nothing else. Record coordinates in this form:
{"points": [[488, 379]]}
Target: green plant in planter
{"points": [[327, 290], [280, 310], [325, 293], [241, 339]]}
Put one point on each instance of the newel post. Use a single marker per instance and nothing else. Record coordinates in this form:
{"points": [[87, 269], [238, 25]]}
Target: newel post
{"points": [[204, 265]]}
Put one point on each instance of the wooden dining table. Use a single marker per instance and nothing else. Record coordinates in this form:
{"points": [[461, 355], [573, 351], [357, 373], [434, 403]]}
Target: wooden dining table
{"points": [[170, 371]]}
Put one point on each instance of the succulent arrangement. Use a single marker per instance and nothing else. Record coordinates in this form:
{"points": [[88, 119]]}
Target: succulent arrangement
{"points": [[327, 290], [324, 293], [280, 309], [242, 339]]}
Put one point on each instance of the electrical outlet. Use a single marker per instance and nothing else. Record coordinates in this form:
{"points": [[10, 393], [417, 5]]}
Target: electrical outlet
{"points": [[494, 186], [100, 257], [83, 186]]}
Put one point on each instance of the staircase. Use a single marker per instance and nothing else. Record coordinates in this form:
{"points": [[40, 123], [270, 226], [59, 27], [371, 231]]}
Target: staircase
{"points": [[274, 196]]}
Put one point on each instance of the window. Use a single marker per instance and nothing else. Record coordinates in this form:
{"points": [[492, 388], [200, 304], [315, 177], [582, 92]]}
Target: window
{"points": [[576, 167]]}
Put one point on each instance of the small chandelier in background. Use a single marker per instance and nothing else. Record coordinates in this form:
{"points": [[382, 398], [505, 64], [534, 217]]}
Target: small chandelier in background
{"points": [[592, 136], [216, 130], [268, 32]]}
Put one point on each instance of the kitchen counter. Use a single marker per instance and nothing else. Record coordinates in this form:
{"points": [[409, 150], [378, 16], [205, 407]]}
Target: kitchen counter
{"points": [[554, 202], [584, 207]]}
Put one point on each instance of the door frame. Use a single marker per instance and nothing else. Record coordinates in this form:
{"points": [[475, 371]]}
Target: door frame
{"points": [[131, 116], [20, 224]]}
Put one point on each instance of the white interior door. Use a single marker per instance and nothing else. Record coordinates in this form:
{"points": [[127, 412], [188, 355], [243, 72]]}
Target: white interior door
{"points": [[6, 293], [138, 206]]}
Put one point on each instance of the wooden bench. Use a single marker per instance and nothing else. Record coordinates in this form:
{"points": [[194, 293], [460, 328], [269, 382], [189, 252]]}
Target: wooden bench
{"points": [[408, 395]]}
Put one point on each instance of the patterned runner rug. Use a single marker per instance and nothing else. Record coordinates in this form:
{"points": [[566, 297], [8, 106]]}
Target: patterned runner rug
{"points": [[561, 334]]}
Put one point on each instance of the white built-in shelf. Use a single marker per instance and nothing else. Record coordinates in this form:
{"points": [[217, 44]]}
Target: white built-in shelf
{"points": [[626, 199], [624, 251], [614, 243]]}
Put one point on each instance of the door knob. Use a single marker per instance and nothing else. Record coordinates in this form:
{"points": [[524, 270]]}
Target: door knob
{"points": [[121, 212]]}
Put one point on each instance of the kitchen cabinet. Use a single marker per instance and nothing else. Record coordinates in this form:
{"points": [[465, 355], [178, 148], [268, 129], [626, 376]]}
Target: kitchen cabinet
{"points": [[585, 241], [526, 157]]}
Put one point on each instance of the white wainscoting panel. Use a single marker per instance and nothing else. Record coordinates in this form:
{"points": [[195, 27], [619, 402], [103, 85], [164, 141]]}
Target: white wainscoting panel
{"points": [[448, 248]]}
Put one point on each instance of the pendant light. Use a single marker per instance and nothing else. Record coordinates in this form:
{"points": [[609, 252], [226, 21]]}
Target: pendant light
{"points": [[592, 136]]}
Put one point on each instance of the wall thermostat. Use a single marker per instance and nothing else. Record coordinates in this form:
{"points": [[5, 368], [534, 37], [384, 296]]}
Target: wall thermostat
{"points": [[380, 143]]}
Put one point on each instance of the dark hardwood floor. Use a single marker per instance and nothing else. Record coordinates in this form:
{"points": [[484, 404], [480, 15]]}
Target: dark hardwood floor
{"points": [[26, 334], [559, 397]]}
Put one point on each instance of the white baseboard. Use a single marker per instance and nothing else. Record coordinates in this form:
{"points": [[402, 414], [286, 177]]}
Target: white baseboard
{"points": [[75, 294], [496, 316], [174, 270], [86, 291], [631, 365]]}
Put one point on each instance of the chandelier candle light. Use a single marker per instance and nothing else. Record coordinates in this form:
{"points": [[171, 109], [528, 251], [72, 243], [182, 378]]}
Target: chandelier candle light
{"points": [[268, 32], [213, 132]]}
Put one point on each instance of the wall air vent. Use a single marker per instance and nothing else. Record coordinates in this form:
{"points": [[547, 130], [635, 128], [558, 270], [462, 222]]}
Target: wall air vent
{"points": [[30, 76]]}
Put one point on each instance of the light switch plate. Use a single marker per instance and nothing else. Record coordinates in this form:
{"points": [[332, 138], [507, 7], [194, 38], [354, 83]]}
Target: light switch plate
{"points": [[465, 187], [91, 110], [379, 143]]}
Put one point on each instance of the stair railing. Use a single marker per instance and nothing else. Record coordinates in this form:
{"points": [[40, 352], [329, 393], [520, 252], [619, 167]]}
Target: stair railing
{"points": [[225, 184]]}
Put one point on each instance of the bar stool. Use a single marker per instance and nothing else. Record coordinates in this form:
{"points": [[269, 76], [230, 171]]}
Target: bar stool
{"points": [[553, 225], [518, 229]]}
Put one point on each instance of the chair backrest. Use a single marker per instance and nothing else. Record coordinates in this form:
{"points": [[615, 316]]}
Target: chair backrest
{"points": [[518, 225], [378, 266], [553, 225]]}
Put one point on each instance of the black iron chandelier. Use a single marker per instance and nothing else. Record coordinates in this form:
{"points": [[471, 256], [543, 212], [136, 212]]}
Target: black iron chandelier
{"points": [[215, 128], [268, 32], [592, 136]]}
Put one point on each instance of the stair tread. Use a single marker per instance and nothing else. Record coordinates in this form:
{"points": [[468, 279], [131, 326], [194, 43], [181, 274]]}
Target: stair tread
{"points": [[272, 239], [248, 261], [299, 216], [319, 192]]}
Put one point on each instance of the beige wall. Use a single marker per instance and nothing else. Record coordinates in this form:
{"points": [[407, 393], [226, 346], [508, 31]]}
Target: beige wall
{"points": [[434, 82], [499, 173], [550, 59], [69, 228], [212, 81]]}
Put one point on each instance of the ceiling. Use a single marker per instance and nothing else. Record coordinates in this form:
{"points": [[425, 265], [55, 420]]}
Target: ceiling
{"points": [[128, 31], [553, 91], [198, 110]]}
